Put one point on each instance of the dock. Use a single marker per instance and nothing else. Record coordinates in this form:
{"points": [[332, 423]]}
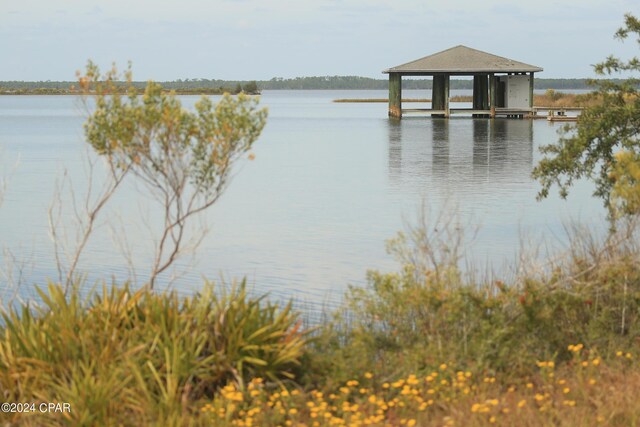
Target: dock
{"points": [[552, 114], [502, 87]]}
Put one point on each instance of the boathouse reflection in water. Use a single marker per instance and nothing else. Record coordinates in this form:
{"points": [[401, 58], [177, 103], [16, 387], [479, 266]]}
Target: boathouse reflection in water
{"points": [[459, 152]]}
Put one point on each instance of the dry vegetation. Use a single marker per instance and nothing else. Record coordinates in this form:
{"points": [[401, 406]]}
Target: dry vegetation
{"points": [[554, 99], [550, 99], [375, 100]]}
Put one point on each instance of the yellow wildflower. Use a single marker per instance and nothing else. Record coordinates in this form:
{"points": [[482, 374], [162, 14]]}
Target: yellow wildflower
{"points": [[398, 384]]}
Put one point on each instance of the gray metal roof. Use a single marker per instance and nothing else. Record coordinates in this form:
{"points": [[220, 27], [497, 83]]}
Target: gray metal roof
{"points": [[463, 60]]}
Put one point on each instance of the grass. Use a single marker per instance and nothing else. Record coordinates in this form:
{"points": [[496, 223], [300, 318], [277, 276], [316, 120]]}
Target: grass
{"points": [[550, 99], [380, 100], [554, 99], [425, 346]]}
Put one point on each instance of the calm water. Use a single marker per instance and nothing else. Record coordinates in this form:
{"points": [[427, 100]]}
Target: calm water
{"points": [[330, 183]]}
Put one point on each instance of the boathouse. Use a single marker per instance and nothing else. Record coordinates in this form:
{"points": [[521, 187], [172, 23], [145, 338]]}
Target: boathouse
{"points": [[501, 86]]}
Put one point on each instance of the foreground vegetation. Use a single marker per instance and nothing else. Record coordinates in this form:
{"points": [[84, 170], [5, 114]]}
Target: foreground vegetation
{"points": [[422, 346]]}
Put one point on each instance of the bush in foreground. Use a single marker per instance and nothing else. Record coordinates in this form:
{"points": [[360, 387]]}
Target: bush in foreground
{"points": [[136, 357], [413, 320]]}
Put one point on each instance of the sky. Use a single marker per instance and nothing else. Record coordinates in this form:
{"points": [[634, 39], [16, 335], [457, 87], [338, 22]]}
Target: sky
{"points": [[261, 39]]}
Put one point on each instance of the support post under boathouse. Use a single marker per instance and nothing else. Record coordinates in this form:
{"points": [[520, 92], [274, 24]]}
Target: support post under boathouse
{"points": [[501, 86]]}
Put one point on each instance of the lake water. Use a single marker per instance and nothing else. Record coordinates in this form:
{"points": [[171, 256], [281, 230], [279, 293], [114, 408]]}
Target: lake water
{"points": [[310, 215]]}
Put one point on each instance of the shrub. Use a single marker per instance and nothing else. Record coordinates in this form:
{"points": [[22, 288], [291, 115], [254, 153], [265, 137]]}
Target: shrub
{"points": [[411, 321], [135, 357]]}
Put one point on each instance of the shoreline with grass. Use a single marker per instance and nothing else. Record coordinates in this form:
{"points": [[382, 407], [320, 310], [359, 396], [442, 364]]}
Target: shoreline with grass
{"points": [[550, 99], [421, 346], [197, 91]]}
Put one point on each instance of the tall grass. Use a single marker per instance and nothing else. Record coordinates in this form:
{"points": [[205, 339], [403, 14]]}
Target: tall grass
{"points": [[410, 321], [550, 99], [554, 99]]}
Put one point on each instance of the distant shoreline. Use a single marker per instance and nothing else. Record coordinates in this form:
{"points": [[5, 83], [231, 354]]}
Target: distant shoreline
{"points": [[76, 93], [218, 87]]}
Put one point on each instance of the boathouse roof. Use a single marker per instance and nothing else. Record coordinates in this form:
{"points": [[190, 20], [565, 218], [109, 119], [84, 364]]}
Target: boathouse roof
{"points": [[462, 60]]}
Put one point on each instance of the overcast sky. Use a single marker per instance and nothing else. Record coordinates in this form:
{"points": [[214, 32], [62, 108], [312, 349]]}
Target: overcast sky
{"points": [[261, 39]]}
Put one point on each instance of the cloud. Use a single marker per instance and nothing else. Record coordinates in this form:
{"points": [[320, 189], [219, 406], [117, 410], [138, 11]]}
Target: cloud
{"points": [[171, 39]]}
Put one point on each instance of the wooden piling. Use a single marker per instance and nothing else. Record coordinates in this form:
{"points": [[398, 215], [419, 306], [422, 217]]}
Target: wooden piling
{"points": [[476, 93], [480, 93], [438, 94], [485, 93], [493, 85], [395, 95], [446, 95]]}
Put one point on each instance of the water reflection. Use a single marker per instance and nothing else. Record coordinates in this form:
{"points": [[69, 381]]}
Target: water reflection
{"points": [[395, 150], [468, 152], [480, 144], [440, 142]]}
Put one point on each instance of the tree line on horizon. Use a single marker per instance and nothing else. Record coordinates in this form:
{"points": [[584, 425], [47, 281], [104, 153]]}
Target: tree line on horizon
{"points": [[216, 86]]}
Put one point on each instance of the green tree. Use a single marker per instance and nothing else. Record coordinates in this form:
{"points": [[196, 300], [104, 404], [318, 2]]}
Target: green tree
{"points": [[183, 157], [588, 148], [625, 194], [251, 88]]}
